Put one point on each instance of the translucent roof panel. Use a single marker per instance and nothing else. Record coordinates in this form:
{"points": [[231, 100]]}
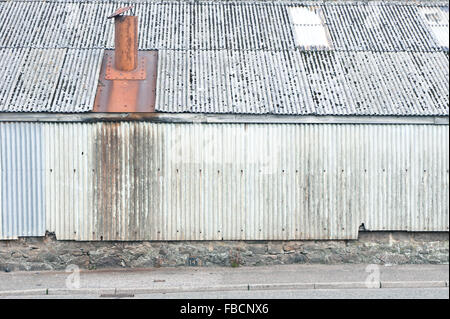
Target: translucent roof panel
{"points": [[303, 15]]}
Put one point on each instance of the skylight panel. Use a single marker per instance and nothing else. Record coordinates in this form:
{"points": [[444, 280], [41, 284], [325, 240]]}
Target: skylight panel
{"points": [[308, 28], [437, 22]]}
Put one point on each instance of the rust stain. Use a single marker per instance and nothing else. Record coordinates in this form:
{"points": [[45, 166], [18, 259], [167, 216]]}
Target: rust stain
{"points": [[109, 186]]}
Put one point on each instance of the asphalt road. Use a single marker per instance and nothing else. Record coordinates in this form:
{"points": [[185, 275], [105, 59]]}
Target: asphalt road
{"points": [[386, 293]]}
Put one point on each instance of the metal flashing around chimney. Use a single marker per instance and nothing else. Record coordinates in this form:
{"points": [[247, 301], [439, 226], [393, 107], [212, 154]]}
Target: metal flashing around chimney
{"points": [[127, 81], [113, 73], [127, 91]]}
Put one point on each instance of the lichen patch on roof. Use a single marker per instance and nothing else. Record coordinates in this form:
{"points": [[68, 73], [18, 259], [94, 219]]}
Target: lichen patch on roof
{"points": [[383, 58]]}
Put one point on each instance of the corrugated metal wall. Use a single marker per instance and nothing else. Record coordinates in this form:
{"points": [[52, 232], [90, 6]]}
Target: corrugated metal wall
{"points": [[148, 181], [21, 163]]}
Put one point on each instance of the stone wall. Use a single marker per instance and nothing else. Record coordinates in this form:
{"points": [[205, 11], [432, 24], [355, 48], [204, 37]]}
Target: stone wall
{"points": [[372, 247]]}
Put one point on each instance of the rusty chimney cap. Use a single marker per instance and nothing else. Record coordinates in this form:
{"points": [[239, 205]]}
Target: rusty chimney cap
{"points": [[119, 12]]}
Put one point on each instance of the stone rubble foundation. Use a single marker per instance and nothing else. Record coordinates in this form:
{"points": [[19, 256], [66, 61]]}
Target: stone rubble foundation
{"points": [[47, 253]]}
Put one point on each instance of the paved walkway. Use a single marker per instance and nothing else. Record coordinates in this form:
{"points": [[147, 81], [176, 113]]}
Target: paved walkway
{"points": [[189, 279]]}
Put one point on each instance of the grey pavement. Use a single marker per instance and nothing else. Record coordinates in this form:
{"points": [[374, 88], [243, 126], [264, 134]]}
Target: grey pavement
{"points": [[236, 281]]}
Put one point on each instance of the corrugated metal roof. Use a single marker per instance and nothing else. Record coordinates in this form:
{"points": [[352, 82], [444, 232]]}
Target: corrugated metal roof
{"points": [[48, 80], [296, 82], [214, 25], [235, 37], [166, 181]]}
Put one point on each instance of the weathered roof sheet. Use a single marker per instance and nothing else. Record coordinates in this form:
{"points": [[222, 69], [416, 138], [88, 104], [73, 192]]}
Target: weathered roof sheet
{"points": [[232, 56]]}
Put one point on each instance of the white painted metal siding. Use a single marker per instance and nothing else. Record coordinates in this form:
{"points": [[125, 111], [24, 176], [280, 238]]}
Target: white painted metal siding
{"points": [[21, 178]]}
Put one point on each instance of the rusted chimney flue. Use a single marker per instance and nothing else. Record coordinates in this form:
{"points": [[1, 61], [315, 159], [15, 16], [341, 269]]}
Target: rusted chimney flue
{"points": [[127, 79], [126, 40]]}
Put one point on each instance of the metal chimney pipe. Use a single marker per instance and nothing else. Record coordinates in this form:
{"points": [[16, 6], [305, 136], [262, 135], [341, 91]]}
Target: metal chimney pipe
{"points": [[126, 42]]}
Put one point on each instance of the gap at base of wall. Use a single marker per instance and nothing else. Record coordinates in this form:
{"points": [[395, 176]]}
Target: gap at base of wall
{"points": [[47, 253]]}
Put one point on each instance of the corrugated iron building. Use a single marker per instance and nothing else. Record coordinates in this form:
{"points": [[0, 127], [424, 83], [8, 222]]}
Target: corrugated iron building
{"points": [[257, 132]]}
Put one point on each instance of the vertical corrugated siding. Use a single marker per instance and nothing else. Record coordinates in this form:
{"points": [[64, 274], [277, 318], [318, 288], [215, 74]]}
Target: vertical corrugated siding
{"points": [[69, 174], [22, 203], [149, 181], [408, 179], [2, 198]]}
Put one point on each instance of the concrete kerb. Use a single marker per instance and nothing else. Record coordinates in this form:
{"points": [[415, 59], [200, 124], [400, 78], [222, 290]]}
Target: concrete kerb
{"points": [[347, 285], [281, 286], [27, 292], [413, 284], [241, 287], [137, 291]]}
